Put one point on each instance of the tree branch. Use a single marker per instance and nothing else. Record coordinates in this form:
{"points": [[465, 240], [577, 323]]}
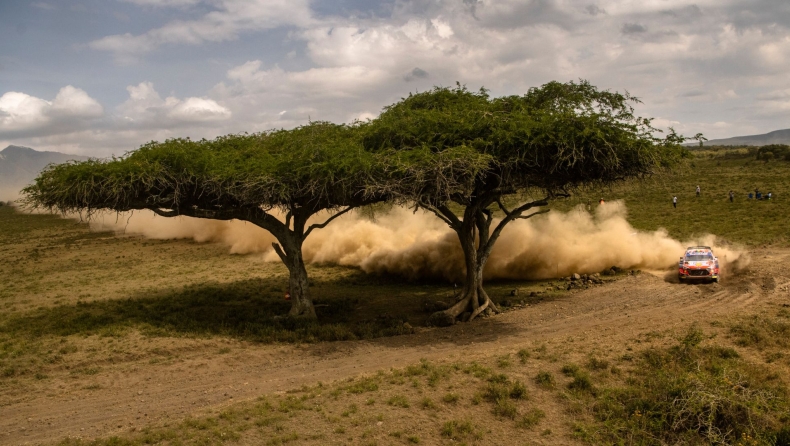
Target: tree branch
{"points": [[163, 213], [516, 213], [449, 216], [543, 211], [328, 220], [280, 253]]}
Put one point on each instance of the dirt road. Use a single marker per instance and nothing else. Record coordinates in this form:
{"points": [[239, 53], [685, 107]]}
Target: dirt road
{"points": [[204, 375]]}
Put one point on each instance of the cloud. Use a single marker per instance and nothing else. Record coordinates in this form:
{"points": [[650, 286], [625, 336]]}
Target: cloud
{"points": [[594, 10], [227, 22], [416, 73], [21, 113], [43, 6], [633, 28], [347, 61], [164, 3], [145, 107]]}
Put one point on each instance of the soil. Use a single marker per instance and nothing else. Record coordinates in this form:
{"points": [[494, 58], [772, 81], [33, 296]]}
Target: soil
{"points": [[198, 376]]}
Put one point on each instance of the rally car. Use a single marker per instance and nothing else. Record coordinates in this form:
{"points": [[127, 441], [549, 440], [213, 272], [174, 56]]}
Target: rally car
{"points": [[698, 263]]}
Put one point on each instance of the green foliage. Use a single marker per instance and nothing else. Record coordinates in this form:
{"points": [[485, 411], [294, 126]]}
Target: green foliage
{"points": [[545, 379], [555, 137], [531, 419], [773, 151], [744, 221], [689, 394], [460, 430], [319, 165]]}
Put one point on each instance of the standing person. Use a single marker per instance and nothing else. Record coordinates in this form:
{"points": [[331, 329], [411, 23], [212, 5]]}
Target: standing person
{"points": [[732, 195], [675, 201], [698, 191], [601, 201]]}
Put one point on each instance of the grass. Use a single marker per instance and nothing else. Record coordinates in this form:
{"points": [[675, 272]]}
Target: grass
{"points": [[685, 389], [687, 393], [747, 222], [77, 303]]}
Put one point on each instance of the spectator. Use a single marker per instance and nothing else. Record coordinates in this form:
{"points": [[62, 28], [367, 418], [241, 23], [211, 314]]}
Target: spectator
{"points": [[675, 201], [601, 201], [758, 195], [698, 191], [732, 195], [750, 195]]}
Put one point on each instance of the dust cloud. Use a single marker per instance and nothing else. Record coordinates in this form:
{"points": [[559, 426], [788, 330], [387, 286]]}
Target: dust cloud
{"points": [[417, 245]]}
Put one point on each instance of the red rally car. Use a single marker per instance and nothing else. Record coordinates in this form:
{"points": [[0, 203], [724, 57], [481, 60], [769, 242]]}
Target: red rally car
{"points": [[698, 263]]}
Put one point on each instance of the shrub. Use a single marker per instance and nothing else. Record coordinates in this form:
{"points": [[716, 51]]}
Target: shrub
{"points": [[545, 380]]}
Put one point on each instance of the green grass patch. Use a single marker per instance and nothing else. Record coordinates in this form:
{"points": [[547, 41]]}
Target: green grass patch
{"points": [[686, 394]]}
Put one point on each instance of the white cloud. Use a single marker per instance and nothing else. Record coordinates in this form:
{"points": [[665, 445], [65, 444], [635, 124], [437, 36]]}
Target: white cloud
{"points": [[230, 19], [717, 66], [20, 112], [146, 108], [164, 3], [76, 103]]}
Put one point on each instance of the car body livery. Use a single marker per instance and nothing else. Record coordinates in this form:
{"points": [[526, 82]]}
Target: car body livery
{"points": [[698, 263]]}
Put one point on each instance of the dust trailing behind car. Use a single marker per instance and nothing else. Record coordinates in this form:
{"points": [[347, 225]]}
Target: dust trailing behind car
{"points": [[417, 245]]}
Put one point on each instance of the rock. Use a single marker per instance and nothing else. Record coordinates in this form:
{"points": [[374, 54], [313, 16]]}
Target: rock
{"points": [[407, 326], [575, 276], [441, 319], [585, 277], [488, 312], [465, 316], [506, 303], [514, 292]]}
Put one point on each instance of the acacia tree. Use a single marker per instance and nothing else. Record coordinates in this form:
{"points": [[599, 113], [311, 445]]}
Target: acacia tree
{"points": [[543, 144], [298, 173]]}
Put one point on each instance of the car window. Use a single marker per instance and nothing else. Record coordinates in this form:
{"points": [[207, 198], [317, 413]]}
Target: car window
{"points": [[698, 258]]}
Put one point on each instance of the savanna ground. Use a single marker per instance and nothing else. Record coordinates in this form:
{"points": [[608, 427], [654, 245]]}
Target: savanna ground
{"points": [[123, 340]]}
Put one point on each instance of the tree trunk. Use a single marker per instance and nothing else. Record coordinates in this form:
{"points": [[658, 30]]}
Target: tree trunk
{"points": [[301, 304], [474, 300], [290, 251]]}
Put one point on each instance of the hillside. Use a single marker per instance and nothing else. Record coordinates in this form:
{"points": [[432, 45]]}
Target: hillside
{"points": [[20, 165], [775, 137]]}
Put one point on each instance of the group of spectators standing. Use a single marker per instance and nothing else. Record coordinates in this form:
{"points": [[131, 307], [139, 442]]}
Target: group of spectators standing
{"points": [[731, 195]]}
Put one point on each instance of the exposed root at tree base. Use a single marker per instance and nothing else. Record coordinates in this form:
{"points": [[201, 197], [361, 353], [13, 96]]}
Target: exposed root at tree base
{"points": [[471, 305]]}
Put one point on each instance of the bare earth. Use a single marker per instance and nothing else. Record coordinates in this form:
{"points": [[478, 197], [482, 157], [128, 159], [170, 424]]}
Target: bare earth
{"points": [[140, 392]]}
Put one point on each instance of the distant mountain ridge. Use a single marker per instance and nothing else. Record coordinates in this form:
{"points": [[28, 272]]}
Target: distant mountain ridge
{"points": [[775, 137], [19, 166]]}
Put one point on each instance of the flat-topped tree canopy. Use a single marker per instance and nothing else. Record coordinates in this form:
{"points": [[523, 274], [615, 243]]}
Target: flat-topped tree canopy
{"points": [[555, 137], [300, 172], [549, 141], [320, 165]]}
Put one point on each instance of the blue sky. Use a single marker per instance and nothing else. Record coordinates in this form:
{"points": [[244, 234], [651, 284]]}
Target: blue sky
{"points": [[101, 77]]}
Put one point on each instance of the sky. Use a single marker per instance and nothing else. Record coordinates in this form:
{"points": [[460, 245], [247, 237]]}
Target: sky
{"points": [[102, 77]]}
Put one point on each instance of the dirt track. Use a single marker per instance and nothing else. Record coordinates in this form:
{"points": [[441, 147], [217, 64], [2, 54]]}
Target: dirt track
{"points": [[137, 393]]}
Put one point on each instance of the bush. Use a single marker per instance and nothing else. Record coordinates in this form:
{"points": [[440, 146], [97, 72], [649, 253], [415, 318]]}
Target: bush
{"points": [[686, 394]]}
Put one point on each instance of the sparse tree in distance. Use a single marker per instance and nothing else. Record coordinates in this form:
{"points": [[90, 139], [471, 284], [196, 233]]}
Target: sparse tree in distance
{"points": [[543, 145], [298, 173]]}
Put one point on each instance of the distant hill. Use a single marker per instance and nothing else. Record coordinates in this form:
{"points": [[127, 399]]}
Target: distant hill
{"points": [[19, 166], [775, 137]]}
